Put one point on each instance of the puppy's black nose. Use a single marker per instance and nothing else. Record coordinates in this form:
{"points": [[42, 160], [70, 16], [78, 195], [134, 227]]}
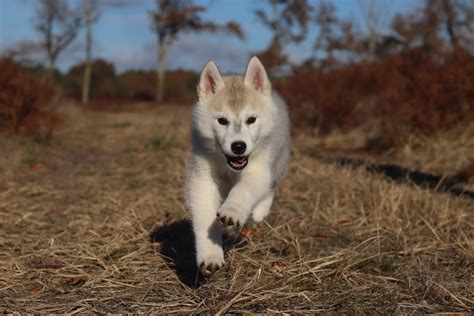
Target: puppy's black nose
{"points": [[238, 147]]}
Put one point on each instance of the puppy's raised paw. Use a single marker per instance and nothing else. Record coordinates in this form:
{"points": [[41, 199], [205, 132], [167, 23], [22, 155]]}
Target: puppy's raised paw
{"points": [[230, 217]]}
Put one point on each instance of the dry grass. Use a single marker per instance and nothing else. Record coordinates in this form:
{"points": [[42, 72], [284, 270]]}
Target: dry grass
{"points": [[95, 222]]}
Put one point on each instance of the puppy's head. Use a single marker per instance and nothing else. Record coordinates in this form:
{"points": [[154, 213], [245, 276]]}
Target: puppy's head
{"points": [[235, 112]]}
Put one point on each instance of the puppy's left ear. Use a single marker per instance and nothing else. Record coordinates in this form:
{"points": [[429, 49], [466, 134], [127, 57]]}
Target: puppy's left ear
{"points": [[256, 77]]}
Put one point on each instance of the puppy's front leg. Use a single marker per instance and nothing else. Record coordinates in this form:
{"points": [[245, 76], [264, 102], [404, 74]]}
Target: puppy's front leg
{"points": [[243, 197], [204, 200]]}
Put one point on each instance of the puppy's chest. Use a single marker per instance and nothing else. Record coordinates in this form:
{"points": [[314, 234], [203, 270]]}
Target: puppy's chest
{"points": [[226, 181]]}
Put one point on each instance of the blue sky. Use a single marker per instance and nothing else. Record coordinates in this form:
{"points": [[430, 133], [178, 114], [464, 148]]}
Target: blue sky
{"points": [[123, 34]]}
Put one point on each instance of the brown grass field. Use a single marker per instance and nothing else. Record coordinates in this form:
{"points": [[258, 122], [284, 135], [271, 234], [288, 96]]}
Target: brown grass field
{"points": [[94, 221]]}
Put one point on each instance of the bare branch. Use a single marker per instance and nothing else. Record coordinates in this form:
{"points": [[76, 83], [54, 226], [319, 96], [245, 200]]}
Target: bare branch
{"points": [[289, 18], [58, 25], [173, 17]]}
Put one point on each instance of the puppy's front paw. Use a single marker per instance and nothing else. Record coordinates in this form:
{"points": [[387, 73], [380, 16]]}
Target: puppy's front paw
{"points": [[207, 269], [211, 264], [230, 216]]}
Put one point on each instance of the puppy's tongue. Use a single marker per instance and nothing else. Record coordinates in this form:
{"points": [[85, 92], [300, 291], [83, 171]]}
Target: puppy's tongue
{"points": [[237, 162], [240, 160]]}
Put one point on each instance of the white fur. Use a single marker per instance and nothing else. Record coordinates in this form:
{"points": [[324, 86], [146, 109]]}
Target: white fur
{"points": [[214, 190]]}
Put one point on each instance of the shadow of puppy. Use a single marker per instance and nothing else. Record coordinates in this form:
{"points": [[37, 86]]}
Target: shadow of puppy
{"points": [[177, 245], [399, 174], [426, 180]]}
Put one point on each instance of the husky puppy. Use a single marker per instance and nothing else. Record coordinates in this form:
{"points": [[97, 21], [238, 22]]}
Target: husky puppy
{"points": [[240, 152]]}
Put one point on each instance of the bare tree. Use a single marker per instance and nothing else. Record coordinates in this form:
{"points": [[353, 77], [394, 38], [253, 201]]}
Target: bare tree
{"points": [[450, 21], [375, 16], [273, 56], [25, 51], [467, 7], [458, 20], [336, 39], [437, 25], [91, 15], [173, 17], [327, 21], [58, 24], [288, 21]]}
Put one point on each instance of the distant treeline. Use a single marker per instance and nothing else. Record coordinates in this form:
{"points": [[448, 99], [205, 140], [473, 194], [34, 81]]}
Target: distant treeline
{"points": [[106, 83], [412, 91]]}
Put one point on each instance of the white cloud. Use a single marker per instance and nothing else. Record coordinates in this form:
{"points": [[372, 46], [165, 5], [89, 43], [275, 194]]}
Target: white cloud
{"points": [[188, 52], [121, 3], [135, 58], [193, 51]]}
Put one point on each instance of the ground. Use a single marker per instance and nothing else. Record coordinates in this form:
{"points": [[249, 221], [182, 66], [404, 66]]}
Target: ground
{"points": [[94, 220]]}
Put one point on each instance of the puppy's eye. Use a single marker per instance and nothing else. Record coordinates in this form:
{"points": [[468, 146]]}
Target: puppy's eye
{"points": [[223, 121], [251, 120]]}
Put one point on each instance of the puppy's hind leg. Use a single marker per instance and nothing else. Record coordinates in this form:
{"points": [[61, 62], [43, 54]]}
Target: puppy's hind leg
{"points": [[204, 200], [261, 210]]}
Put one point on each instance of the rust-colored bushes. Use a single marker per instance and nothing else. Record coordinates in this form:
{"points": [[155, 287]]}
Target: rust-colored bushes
{"points": [[407, 92], [23, 101]]}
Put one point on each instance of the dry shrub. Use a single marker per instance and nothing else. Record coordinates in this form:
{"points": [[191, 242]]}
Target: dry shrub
{"points": [[139, 84], [119, 105], [412, 91], [23, 101], [180, 85], [103, 80]]}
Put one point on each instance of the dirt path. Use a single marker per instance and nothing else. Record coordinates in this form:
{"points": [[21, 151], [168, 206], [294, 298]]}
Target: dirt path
{"points": [[95, 222]]}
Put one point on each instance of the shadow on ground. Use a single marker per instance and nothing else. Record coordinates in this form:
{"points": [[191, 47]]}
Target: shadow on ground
{"points": [[177, 246], [400, 174], [426, 180]]}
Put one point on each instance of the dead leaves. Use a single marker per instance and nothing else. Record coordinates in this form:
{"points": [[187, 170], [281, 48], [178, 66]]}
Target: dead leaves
{"points": [[43, 264], [75, 281], [250, 233]]}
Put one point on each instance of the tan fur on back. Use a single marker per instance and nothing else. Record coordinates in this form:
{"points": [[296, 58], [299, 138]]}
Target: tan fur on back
{"points": [[236, 95]]}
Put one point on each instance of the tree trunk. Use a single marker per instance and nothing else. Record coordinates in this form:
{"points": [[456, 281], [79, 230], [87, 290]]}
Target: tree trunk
{"points": [[49, 50], [372, 17], [450, 22], [163, 46], [87, 66], [50, 67]]}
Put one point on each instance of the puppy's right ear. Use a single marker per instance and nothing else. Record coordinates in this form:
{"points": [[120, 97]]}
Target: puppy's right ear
{"points": [[211, 80]]}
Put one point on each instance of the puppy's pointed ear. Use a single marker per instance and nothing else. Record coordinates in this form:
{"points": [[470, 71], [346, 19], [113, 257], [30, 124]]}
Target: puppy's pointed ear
{"points": [[210, 81], [256, 77]]}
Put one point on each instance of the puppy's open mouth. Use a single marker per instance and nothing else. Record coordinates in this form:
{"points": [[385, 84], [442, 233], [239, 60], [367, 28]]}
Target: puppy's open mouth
{"points": [[237, 163]]}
